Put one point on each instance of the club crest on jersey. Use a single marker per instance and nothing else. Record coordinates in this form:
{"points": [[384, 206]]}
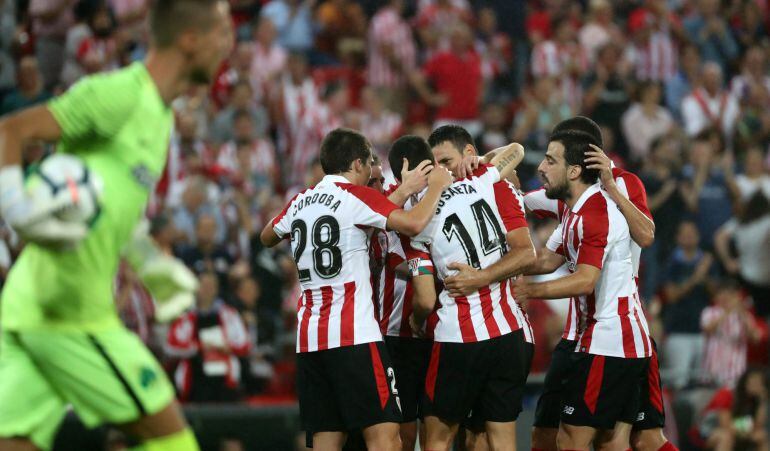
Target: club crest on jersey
{"points": [[143, 176], [414, 266]]}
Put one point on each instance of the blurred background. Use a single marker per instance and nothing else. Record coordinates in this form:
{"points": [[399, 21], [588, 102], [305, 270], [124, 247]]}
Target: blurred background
{"points": [[681, 89]]}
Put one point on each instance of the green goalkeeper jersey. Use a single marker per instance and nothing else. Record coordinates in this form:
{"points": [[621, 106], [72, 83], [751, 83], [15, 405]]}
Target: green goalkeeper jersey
{"points": [[118, 123]]}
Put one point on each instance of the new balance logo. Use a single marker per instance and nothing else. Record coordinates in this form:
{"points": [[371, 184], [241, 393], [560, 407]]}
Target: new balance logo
{"points": [[569, 410], [640, 417]]}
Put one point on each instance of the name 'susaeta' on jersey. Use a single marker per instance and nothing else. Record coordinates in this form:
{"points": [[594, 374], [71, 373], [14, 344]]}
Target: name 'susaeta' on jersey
{"points": [[453, 191], [317, 198]]}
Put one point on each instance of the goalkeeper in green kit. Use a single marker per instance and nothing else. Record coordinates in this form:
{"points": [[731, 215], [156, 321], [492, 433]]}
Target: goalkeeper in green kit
{"points": [[61, 341]]}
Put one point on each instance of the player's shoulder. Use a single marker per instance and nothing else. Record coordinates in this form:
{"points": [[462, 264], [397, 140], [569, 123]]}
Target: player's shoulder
{"points": [[626, 176]]}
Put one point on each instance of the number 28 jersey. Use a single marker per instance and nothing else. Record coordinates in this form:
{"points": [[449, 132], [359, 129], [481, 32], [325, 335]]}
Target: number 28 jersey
{"points": [[329, 226], [472, 219]]}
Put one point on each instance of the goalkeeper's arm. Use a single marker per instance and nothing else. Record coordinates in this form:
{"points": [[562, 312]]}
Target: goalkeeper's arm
{"points": [[169, 281]]}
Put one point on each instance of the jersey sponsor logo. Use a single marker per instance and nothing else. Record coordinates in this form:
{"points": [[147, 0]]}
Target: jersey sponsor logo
{"points": [[569, 410], [143, 176], [147, 376]]}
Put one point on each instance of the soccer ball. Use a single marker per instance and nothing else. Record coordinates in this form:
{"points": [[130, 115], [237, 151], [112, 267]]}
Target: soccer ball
{"points": [[64, 172]]}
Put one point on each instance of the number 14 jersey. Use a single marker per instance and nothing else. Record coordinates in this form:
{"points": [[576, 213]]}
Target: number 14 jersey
{"points": [[472, 219], [329, 226]]}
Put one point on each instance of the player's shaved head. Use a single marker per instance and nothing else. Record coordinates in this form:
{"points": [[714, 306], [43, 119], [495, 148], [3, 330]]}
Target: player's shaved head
{"points": [[170, 18], [582, 124], [341, 147], [412, 147]]}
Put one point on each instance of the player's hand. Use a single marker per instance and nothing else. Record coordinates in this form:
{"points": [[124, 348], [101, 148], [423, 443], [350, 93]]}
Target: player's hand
{"points": [[171, 284], [30, 211], [416, 328], [522, 290], [415, 180], [467, 166], [597, 159], [440, 177], [467, 280]]}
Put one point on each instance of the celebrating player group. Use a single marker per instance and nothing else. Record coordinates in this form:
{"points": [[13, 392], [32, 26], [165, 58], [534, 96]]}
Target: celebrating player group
{"points": [[410, 307], [410, 296]]}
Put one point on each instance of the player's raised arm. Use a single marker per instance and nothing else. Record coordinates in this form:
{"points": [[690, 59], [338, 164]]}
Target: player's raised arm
{"points": [[641, 225], [507, 158], [412, 222], [32, 124]]}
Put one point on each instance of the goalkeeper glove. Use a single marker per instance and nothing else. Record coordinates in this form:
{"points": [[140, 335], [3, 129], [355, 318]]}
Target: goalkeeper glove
{"points": [[168, 280], [30, 211]]}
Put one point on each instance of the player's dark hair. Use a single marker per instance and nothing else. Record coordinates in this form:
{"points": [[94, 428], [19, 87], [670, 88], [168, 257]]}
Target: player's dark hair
{"points": [[583, 124], [341, 147], [412, 147], [170, 18], [576, 144], [455, 134]]}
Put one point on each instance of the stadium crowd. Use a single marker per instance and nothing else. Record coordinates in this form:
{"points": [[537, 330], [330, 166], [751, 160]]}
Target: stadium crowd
{"points": [[681, 89]]}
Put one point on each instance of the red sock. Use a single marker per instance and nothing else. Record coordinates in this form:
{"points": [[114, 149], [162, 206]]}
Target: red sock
{"points": [[668, 447]]}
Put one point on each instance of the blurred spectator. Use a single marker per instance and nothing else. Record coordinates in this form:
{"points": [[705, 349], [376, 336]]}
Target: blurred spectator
{"points": [[728, 327], [294, 21], [752, 128], [749, 234], [392, 55], [135, 305], [241, 101], [495, 132], [607, 89], [196, 203], [684, 81], [186, 153], [599, 30], [76, 34], [708, 184], [747, 27], [753, 72], [29, 90], [543, 108], [98, 51], [380, 125], [711, 33], [244, 300], [496, 52], [50, 21], [736, 418], [338, 20], [658, 174], [206, 255], [755, 176], [269, 58], [653, 50], [163, 233], [210, 342], [456, 75], [436, 20], [564, 59], [645, 121], [250, 158], [237, 69], [688, 279]]}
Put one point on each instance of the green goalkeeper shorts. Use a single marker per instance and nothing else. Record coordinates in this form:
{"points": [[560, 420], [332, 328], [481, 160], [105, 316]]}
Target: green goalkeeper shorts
{"points": [[107, 377]]}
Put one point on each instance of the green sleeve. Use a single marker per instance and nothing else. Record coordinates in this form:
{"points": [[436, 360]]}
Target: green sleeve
{"points": [[98, 105]]}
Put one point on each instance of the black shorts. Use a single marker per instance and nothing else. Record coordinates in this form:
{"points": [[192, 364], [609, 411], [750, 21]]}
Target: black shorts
{"points": [[410, 357], [345, 388], [601, 390], [548, 411], [485, 378], [652, 414], [477, 425]]}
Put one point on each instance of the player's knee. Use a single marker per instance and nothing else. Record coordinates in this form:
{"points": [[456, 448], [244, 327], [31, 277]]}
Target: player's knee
{"points": [[408, 435], [648, 440], [566, 438], [544, 439], [17, 444], [386, 439]]}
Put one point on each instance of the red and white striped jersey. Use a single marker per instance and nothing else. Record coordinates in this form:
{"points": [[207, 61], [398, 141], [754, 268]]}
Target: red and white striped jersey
{"points": [[724, 357], [389, 29], [470, 224], [329, 229], [594, 232], [655, 60], [551, 59]]}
